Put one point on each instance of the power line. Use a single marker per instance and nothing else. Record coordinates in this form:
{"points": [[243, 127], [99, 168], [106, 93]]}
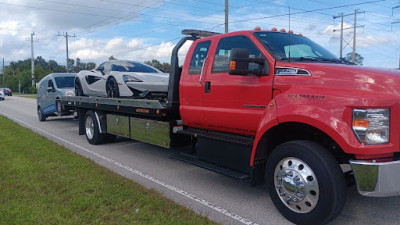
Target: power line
{"points": [[308, 11]]}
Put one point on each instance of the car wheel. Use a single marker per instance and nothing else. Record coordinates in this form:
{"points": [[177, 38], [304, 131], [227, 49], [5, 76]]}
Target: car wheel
{"points": [[78, 88], [305, 182], [92, 130], [41, 115], [112, 88]]}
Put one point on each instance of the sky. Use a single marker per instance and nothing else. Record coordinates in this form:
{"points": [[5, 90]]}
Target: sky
{"points": [[148, 29]]}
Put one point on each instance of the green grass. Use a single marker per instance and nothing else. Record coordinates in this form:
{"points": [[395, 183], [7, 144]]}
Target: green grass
{"points": [[26, 95], [44, 183]]}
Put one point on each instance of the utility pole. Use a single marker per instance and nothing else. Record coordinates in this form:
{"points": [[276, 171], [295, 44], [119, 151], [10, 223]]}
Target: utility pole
{"points": [[66, 35], [226, 16], [32, 61], [353, 59], [2, 71], [354, 34]]}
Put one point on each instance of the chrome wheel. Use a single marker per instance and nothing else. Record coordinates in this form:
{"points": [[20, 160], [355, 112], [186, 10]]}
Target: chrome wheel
{"points": [[89, 127], [296, 185]]}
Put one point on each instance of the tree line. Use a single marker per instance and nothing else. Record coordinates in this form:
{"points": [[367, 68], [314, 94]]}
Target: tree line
{"points": [[20, 72]]}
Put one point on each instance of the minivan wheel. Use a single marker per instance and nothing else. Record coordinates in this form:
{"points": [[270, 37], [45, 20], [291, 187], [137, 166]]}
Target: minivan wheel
{"points": [[41, 115], [59, 108], [112, 88]]}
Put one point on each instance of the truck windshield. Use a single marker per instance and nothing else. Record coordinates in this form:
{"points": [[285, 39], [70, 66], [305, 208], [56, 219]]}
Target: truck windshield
{"points": [[292, 47], [65, 82]]}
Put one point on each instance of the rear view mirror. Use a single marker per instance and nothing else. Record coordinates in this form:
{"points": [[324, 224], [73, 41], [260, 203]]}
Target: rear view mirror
{"points": [[50, 89], [240, 61], [101, 69]]}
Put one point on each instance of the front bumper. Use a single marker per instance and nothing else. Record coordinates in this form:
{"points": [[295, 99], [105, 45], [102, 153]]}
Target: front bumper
{"points": [[377, 179]]}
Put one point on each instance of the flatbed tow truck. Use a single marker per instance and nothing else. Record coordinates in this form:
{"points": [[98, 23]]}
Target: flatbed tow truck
{"points": [[268, 106]]}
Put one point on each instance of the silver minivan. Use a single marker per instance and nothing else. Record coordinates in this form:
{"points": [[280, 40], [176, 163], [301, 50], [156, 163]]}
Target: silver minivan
{"points": [[49, 92]]}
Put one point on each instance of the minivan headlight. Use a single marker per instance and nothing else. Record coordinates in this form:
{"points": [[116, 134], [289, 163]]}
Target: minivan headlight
{"points": [[371, 126], [70, 93]]}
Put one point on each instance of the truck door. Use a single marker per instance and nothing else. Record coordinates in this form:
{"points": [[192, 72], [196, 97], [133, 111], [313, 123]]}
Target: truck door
{"points": [[191, 89], [234, 103]]}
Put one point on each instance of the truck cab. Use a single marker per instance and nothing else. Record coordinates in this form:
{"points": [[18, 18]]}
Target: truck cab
{"points": [[302, 106]]}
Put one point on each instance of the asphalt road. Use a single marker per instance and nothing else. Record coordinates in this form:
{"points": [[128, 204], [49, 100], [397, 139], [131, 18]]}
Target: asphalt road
{"points": [[220, 198]]}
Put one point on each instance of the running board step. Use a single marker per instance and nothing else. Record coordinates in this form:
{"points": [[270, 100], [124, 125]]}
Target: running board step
{"points": [[215, 168], [233, 138]]}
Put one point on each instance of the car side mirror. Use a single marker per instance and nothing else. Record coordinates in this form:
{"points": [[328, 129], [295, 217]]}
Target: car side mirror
{"points": [[239, 63], [101, 69]]}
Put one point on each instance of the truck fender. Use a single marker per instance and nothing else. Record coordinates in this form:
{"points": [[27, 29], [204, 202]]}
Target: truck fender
{"points": [[268, 121], [323, 120]]}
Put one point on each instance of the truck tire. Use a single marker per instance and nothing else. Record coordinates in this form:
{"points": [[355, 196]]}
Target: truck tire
{"points": [[92, 131], [305, 182], [41, 115]]}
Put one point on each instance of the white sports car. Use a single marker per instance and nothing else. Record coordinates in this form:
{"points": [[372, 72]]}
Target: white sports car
{"points": [[122, 78]]}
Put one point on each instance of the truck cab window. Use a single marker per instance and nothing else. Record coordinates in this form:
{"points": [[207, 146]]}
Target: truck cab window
{"points": [[221, 60], [198, 57]]}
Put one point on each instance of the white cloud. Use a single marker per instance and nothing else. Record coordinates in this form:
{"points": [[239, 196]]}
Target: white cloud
{"points": [[47, 18], [114, 43]]}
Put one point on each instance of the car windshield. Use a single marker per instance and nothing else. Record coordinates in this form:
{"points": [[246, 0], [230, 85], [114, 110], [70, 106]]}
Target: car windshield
{"points": [[65, 82], [133, 67], [291, 47]]}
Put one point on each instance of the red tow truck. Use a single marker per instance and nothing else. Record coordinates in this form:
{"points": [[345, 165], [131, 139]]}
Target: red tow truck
{"points": [[269, 106]]}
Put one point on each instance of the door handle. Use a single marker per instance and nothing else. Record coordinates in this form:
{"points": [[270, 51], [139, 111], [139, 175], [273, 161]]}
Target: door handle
{"points": [[207, 87]]}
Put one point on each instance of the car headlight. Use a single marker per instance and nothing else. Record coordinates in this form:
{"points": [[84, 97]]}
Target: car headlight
{"points": [[127, 78], [371, 126], [70, 93]]}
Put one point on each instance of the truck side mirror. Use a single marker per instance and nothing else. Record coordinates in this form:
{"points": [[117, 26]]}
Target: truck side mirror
{"points": [[239, 63]]}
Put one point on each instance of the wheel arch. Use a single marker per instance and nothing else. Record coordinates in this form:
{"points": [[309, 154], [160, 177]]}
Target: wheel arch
{"points": [[289, 131]]}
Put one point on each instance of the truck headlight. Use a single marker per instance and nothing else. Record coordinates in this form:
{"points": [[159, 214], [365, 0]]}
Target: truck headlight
{"points": [[371, 126], [128, 78]]}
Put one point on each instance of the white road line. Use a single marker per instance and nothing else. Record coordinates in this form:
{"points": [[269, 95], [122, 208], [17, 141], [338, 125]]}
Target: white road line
{"points": [[150, 178]]}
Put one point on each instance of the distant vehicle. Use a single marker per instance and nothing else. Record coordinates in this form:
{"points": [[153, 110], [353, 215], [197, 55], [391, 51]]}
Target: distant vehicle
{"points": [[50, 90], [122, 78], [7, 91], [1, 95]]}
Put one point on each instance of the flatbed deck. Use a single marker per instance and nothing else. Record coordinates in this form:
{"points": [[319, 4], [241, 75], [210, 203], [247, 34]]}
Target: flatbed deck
{"points": [[145, 107]]}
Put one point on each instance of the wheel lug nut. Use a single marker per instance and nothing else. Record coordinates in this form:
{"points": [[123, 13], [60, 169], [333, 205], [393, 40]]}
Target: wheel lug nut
{"points": [[299, 194], [297, 178], [300, 185], [295, 199], [290, 173], [282, 194]]}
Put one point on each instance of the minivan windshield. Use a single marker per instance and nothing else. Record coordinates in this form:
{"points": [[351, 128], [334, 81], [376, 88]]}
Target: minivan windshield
{"points": [[65, 82], [292, 47]]}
